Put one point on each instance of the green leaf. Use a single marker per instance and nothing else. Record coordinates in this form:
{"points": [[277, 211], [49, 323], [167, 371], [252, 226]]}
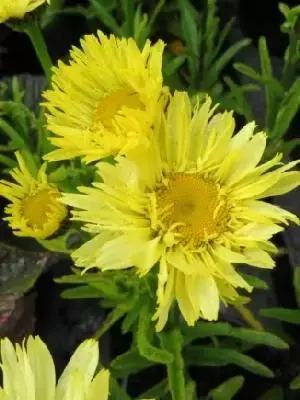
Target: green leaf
{"points": [[241, 105], [132, 315], [105, 17], [287, 147], [129, 363], [191, 390], [111, 319], [255, 281], [248, 71], [296, 283], [157, 391], [12, 134], [81, 292], [282, 314], [172, 64], [228, 389], [295, 384], [173, 342], [116, 392], [276, 392], [146, 349], [221, 38], [128, 11], [189, 26], [206, 356], [217, 67], [7, 161], [267, 75], [287, 110], [206, 329]]}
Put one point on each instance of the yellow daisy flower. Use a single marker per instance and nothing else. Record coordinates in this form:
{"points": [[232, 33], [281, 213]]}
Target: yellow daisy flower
{"points": [[34, 209], [104, 102], [29, 373], [18, 8], [193, 203]]}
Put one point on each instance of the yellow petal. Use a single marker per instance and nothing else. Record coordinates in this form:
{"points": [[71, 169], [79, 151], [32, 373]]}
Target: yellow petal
{"points": [[42, 367], [84, 361], [99, 389], [204, 295], [187, 308]]}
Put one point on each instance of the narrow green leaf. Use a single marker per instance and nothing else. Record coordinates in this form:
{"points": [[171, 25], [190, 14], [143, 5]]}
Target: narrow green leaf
{"points": [[132, 315], [240, 105], [171, 65], [205, 356], [276, 392], [255, 281], [12, 134], [9, 162], [189, 26], [156, 392], [222, 37], [296, 283], [116, 392], [221, 62], [287, 110], [110, 320], [295, 384], [228, 389], [128, 11], [282, 314], [248, 71], [105, 17], [81, 292], [288, 146], [173, 342], [205, 329], [146, 349], [191, 390], [129, 363], [267, 75]]}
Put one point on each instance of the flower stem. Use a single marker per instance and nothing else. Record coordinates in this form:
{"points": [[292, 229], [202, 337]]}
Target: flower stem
{"points": [[173, 342], [34, 32]]}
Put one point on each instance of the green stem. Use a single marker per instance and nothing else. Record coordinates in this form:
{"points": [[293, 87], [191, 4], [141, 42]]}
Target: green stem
{"points": [[173, 342], [289, 65], [34, 32], [112, 318]]}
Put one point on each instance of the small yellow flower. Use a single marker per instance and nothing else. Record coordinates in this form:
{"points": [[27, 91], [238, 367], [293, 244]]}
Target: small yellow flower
{"points": [[34, 209], [18, 8], [192, 202], [29, 373], [103, 103]]}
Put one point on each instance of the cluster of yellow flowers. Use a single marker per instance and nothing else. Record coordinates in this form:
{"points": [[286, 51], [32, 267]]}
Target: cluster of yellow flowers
{"points": [[185, 191]]}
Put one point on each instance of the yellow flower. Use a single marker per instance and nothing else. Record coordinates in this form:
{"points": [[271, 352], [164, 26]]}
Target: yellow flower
{"points": [[104, 102], [29, 373], [34, 209], [192, 202], [18, 8]]}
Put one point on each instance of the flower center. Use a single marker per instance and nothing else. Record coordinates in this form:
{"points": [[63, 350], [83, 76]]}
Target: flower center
{"points": [[112, 103], [37, 206], [193, 206]]}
